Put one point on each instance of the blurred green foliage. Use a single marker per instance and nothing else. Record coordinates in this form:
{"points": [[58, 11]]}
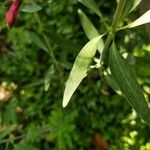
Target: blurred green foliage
{"points": [[36, 56]]}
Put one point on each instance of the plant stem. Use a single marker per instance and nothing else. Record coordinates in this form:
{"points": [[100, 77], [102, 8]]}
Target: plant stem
{"points": [[118, 14], [23, 136], [50, 51], [39, 22], [107, 43], [47, 41], [8, 140], [41, 29], [114, 25]]}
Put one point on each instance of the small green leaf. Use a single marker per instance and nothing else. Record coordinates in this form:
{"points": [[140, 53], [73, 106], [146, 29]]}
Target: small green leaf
{"points": [[80, 68], [135, 4], [111, 82], [130, 6], [36, 40], [91, 5], [22, 146], [48, 77], [89, 29], [125, 78], [30, 8], [145, 18], [7, 131]]}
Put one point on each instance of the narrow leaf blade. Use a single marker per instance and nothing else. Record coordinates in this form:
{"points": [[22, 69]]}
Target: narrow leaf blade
{"points": [[91, 4], [145, 18], [135, 4], [125, 78], [30, 8], [89, 29], [7, 131], [80, 68], [130, 6], [36, 40]]}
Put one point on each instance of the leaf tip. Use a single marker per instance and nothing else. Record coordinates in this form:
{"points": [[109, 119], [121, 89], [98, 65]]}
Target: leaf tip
{"points": [[64, 103], [79, 11]]}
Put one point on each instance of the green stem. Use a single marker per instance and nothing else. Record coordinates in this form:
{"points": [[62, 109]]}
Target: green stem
{"points": [[107, 43], [114, 25], [47, 41], [118, 14], [50, 51], [39, 22], [41, 29], [103, 21]]}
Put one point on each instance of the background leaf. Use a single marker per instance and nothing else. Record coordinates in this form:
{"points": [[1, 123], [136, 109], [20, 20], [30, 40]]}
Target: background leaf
{"points": [[80, 68], [30, 8], [7, 131], [36, 40], [91, 4], [22, 146], [125, 78]]}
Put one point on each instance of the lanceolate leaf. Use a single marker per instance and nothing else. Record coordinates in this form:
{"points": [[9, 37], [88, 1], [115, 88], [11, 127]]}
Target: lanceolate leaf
{"points": [[125, 78], [135, 4], [91, 5], [36, 40], [89, 29], [31, 8], [145, 18], [130, 6], [80, 68]]}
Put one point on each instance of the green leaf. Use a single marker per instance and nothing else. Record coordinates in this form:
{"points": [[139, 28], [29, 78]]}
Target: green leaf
{"points": [[89, 29], [125, 78], [7, 131], [135, 4], [36, 40], [30, 8], [22, 146], [130, 6], [91, 5], [145, 18], [33, 132], [111, 82], [48, 77], [80, 68]]}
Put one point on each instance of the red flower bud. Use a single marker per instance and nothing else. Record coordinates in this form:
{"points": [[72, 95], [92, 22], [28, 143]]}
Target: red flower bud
{"points": [[12, 12]]}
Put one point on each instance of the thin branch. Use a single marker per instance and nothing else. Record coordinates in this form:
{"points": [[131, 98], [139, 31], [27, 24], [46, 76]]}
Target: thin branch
{"points": [[114, 25]]}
